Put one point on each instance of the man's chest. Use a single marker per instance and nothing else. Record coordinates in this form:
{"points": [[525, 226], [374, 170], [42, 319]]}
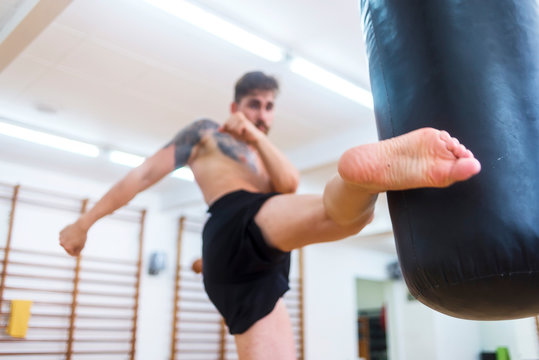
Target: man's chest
{"points": [[215, 143]]}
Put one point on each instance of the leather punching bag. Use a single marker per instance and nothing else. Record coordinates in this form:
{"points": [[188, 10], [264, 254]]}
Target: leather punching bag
{"points": [[472, 68]]}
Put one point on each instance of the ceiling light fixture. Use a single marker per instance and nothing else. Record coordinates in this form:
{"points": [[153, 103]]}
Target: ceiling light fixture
{"points": [[82, 148], [53, 141], [234, 34], [123, 158], [132, 160], [331, 81], [221, 28]]}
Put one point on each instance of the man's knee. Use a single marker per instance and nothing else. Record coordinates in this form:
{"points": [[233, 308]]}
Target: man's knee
{"points": [[354, 226]]}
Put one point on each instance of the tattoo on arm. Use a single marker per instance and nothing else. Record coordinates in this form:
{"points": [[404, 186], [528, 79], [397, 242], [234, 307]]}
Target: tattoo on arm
{"points": [[236, 150], [187, 138]]}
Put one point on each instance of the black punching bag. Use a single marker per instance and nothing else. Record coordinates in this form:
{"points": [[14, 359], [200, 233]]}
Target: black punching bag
{"points": [[470, 67]]}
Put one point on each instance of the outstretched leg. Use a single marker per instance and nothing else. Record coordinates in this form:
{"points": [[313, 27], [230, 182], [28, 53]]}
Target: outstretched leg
{"points": [[422, 158]]}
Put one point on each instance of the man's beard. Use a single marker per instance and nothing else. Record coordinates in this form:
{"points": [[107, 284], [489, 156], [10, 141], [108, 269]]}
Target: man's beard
{"points": [[262, 127]]}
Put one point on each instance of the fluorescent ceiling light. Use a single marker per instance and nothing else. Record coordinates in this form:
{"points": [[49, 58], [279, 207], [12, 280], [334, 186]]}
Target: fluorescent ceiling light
{"points": [[331, 81], [184, 173], [132, 160], [127, 159], [77, 147], [221, 28], [256, 45], [54, 141]]}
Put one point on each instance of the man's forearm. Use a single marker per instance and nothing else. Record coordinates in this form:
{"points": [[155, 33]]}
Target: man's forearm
{"points": [[119, 195], [137, 180], [284, 175]]}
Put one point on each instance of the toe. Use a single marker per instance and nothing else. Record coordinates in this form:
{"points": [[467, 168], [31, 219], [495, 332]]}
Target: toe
{"points": [[464, 169], [448, 140], [444, 135], [461, 151]]}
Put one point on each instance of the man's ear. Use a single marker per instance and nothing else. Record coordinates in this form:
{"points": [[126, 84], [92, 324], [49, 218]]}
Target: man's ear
{"points": [[233, 107]]}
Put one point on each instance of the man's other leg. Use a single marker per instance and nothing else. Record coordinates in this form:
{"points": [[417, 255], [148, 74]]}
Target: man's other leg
{"points": [[269, 338]]}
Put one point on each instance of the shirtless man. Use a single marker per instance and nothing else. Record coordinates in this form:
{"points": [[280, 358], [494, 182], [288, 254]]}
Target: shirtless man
{"points": [[256, 219]]}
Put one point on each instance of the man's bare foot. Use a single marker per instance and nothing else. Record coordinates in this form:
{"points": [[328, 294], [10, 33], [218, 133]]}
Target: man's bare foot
{"points": [[422, 158]]}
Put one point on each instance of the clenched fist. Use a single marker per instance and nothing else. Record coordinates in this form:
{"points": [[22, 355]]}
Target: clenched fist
{"points": [[197, 266], [241, 128], [73, 238]]}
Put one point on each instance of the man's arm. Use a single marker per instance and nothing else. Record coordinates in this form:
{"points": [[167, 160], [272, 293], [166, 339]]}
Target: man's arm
{"points": [[174, 155], [284, 176]]}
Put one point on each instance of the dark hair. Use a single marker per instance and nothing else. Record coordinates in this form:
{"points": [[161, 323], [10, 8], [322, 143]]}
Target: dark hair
{"points": [[254, 80]]}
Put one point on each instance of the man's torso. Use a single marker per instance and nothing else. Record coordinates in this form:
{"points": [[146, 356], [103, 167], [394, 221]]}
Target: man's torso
{"points": [[221, 164]]}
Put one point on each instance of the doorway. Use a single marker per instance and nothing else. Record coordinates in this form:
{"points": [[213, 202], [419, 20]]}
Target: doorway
{"points": [[371, 320]]}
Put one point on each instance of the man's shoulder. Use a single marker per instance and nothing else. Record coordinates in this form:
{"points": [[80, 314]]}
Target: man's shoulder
{"points": [[196, 128], [192, 133], [204, 123]]}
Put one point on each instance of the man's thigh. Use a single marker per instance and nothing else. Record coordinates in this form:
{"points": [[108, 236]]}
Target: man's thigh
{"points": [[269, 338], [292, 221]]}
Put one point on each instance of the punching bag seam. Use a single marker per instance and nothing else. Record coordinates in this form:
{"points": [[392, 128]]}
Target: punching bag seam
{"points": [[411, 232], [388, 107]]}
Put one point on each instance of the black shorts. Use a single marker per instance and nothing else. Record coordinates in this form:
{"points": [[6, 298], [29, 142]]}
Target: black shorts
{"points": [[243, 275]]}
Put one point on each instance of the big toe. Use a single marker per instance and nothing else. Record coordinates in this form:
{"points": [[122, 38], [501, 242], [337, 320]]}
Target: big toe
{"points": [[465, 168]]}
